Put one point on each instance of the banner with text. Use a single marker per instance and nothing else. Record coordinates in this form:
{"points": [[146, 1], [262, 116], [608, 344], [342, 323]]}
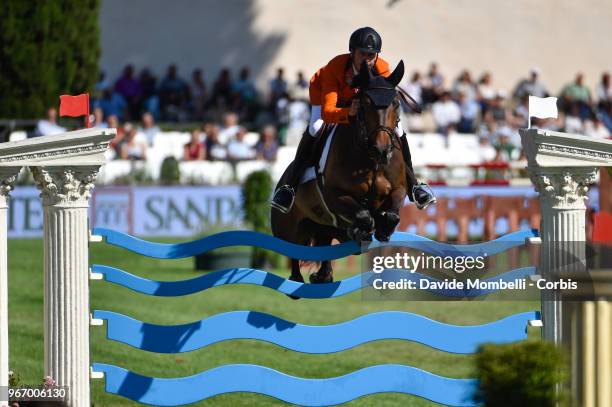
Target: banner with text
{"points": [[182, 211]]}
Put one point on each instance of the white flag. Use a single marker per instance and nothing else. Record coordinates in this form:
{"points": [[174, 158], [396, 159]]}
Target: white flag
{"points": [[543, 107]]}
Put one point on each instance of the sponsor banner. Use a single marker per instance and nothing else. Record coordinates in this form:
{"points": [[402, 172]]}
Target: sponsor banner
{"points": [[167, 211], [182, 211], [25, 213]]}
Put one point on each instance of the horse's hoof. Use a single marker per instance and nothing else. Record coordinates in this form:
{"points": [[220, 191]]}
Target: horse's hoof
{"points": [[364, 220], [359, 235], [382, 237], [366, 236], [317, 278]]}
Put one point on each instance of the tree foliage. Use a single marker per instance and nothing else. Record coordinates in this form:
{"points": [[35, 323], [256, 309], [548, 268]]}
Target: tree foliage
{"points": [[47, 48], [526, 373], [256, 206]]}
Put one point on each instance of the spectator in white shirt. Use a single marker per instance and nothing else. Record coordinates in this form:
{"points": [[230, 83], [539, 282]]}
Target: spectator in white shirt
{"points": [[149, 129], [603, 91], [98, 121], [573, 122], [299, 89], [531, 86], [230, 127], [486, 92], [238, 149], [215, 150], [485, 150], [464, 85], [446, 114], [49, 127], [595, 129], [133, 147], [414, 87]]}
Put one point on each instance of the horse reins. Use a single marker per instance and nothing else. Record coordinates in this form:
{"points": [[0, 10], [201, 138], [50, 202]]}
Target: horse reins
{"points": [[414, 105]]}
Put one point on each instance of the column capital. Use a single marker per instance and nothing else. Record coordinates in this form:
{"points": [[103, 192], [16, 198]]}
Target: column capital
{"points": [[65, 186], [563, 188], [8, 177]]}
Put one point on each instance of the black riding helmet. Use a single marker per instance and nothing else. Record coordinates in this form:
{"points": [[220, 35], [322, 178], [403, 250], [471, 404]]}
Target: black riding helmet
{"points": [[365, 39]]}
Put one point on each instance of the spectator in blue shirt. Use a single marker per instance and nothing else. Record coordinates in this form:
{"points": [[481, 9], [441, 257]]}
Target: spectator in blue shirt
{"points": [[278, 87], [173, 95], [470, 110], [112, 104]]}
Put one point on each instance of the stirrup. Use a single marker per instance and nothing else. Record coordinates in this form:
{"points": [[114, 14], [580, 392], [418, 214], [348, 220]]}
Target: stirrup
{"points": [[282, 206], [431, 200]]}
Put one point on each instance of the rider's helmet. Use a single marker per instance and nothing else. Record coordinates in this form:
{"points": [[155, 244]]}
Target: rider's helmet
{"points": [[365, 39]]}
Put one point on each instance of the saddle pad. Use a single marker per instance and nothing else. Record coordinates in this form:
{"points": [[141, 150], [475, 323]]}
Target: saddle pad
{"points": [[310, 172]]}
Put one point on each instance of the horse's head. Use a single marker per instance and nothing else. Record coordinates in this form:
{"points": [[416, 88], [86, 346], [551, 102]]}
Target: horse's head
{"points": [[378, 112]]}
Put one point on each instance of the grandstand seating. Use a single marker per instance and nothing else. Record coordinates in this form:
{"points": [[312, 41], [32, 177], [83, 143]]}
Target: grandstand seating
{"points": [[434, 156]]}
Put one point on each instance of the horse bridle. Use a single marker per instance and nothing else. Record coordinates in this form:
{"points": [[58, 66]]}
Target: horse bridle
{"points": [[365, 135]]}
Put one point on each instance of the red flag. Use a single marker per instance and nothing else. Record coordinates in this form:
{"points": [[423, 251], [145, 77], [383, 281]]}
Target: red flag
{"points": [[75, 106], [602, 227]]}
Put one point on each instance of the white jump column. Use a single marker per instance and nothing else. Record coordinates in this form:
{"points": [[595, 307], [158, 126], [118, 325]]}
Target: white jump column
{"points": [[65, 193], [64, 168], [562, 167], [8, 176], [563, 196]]}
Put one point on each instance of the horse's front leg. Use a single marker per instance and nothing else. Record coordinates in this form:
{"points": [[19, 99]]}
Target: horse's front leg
{"points": [[296, 275], [361, 223], [387, 220]]}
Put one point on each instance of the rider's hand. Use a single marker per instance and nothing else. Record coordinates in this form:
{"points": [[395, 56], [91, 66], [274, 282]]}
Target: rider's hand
{"points": [[354, 107]]}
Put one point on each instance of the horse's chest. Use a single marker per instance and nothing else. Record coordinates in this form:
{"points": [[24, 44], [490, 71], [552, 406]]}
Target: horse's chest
{"points": [[381, 187], [375, 186]]}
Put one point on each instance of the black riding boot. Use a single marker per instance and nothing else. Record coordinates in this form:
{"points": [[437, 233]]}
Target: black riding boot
{"points": [[285, 194], [419, 192]]}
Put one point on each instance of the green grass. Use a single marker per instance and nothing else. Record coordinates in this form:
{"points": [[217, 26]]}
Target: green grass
{"points": [[26, 327]]}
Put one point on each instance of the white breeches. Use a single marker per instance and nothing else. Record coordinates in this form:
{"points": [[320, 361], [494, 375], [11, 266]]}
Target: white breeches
{"points": [[316, 122]]}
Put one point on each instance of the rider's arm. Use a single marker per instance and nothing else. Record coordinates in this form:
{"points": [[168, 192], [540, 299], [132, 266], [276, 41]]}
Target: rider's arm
{"points": [[329, 98], [382, 67]]}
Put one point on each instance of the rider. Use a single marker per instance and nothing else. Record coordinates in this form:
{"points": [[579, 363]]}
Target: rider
{"points": [[330, 86]]}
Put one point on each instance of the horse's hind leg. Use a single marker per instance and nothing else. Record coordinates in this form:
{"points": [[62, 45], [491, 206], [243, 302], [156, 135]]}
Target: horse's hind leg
{"points": [[325, 274], [296, 274]]}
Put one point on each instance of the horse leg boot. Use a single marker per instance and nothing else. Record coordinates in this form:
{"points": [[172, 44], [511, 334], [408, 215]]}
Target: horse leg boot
{"points": [[285, 195], [419, 192], [359, 220]]}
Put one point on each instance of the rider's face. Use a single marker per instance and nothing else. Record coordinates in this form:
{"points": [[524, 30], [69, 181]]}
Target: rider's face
{"points": [[360, 56]]}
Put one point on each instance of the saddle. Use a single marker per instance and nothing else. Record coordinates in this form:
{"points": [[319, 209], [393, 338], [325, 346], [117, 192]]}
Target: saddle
{"points": [[314, 172], [318, 157]]}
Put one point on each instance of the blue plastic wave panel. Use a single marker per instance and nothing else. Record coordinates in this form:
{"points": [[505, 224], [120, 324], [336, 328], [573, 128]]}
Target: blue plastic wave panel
{"points": [[313, 339], [282, 285], [295, 390], [264, 241]]}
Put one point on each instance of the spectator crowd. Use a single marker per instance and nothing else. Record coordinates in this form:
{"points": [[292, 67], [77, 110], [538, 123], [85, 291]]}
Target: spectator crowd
{"points": [[232, 109]]}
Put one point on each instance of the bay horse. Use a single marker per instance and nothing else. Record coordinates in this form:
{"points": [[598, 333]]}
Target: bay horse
{"points": [[363, 183]]}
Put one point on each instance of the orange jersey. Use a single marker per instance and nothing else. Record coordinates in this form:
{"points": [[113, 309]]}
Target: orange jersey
{"points": [[330, 85]]}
